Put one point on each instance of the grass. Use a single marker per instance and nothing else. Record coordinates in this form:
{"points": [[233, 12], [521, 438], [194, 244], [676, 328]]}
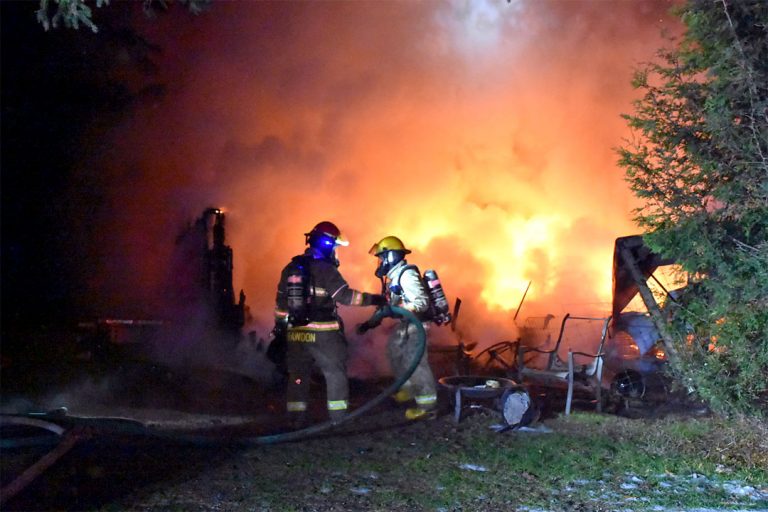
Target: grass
{"points": [[588, 462], [585, 462]]}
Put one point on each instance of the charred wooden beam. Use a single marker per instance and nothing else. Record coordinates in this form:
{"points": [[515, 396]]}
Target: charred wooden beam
{"points": [[650, 302]]}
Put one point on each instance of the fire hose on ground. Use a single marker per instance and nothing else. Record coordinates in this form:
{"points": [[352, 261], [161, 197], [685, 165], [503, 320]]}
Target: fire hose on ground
{"points": [[131, 427]]}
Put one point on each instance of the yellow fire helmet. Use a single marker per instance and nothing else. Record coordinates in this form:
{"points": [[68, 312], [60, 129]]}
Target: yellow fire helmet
{"points": [[388, 243]]}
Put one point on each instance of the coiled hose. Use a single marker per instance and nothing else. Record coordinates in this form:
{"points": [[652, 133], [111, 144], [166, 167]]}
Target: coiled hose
{"points": [[126, 426]]}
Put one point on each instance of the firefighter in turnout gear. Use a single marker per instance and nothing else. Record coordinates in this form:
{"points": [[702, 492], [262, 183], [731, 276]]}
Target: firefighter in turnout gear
{"points": [[310, 287], [404, 288]]}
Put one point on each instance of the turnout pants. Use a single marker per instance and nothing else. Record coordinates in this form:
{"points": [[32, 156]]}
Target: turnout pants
{"points": [[402, 346], [328, 351]]}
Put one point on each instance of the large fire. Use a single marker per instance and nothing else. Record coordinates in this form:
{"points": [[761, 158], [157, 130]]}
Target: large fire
{"points": [[480, 133]]}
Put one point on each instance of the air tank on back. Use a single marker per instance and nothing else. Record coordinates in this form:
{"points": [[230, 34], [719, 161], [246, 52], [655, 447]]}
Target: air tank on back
{"points": [[439, 303]]}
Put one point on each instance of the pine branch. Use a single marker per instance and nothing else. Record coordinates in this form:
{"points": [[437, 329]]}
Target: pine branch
{"points": [[752, 86]]}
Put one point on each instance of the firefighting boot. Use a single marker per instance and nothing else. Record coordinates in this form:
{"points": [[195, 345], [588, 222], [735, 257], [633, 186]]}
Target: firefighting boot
{"points": [[299, 420], [402, 396], [337, 416], [417, 413]]}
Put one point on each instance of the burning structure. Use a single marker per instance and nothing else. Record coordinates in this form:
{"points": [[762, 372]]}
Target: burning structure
{"points": [[200, 293], [216, 275], [479, 93], [624, 351], [206, 265]]}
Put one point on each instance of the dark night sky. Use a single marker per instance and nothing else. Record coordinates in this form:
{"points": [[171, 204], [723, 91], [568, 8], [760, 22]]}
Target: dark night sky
{"points": [[57, 87], [499, 116]]}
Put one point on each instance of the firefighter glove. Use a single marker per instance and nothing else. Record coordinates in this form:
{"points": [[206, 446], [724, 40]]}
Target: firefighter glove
{"points": [[366, 326], [279, 330], [369, 324], [378, 300]]}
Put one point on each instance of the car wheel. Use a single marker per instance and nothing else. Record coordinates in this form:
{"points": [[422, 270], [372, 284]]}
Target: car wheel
{"points": [[629, 384]]}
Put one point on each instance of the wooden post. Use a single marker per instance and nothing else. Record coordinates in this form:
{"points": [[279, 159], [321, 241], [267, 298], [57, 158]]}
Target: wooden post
{"points": [[569, 397]]}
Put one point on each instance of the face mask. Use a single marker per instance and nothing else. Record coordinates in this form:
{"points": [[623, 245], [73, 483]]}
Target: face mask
{"points": [[324, 245], [387, 261], [380, 272]]}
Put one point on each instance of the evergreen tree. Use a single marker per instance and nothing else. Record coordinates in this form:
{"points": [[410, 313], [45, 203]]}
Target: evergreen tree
{"points": [[73, 13], [699, 162]]}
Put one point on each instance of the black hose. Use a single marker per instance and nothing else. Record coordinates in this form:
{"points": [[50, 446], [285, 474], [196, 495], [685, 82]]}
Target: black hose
{"points": [[126, 426]]}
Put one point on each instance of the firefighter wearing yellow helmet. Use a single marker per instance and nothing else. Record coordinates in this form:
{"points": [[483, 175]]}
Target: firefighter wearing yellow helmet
{"points": [[404, 288], [310, 287]]}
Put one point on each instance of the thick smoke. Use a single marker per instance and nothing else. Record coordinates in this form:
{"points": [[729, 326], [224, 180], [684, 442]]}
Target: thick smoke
{"points": [[480, 132]]}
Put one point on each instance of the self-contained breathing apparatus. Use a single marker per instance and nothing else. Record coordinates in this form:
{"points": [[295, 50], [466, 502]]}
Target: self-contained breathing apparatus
{"points": [[298, 298], [391, 251], [322, 239], [439, 310], [297, 291]]}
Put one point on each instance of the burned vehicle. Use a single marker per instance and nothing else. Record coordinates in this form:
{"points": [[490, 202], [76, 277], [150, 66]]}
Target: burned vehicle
{"points": [[635, 359], [616, 357]]}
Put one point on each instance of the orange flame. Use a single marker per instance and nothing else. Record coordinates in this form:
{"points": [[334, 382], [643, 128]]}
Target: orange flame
{"points": [[480, 133]]}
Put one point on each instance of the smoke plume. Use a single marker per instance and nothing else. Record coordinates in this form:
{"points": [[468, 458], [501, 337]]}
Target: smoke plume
{"points": [[479, 132]]}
